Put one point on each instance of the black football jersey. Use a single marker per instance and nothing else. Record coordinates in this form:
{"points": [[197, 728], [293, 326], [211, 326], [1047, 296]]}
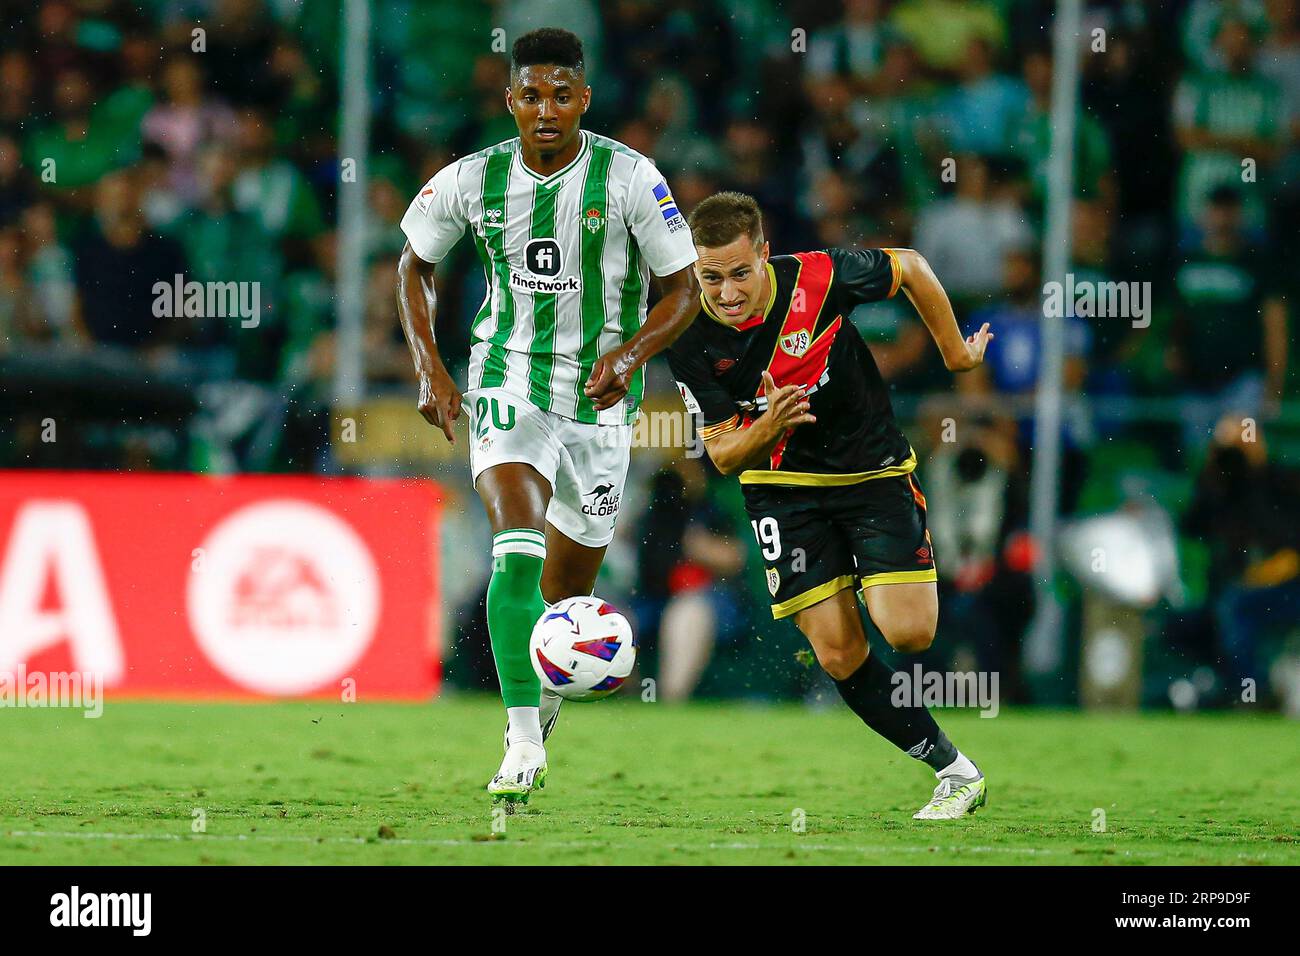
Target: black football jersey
{"points": [[803, 337]]}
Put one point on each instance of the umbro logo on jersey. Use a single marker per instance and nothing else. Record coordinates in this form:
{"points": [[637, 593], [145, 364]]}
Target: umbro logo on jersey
{"points": [[721, 365], [920, 750]]}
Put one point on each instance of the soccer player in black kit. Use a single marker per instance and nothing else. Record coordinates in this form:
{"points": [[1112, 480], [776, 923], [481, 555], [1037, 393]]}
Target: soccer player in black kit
{"points": [[791, 400]]}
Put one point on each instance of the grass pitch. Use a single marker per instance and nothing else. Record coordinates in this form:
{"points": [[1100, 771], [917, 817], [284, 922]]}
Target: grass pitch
{"points": [[631, 783]]}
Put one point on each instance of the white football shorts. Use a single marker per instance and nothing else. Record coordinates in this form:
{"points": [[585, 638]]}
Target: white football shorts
{"points": [[586, 464]]}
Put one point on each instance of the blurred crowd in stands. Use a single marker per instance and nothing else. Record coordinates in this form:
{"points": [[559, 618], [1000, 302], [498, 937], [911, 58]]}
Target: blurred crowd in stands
{"points": [[148, 139]]}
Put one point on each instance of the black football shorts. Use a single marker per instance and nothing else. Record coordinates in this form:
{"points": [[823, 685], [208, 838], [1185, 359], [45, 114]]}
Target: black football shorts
{"points": [[818, 540]]}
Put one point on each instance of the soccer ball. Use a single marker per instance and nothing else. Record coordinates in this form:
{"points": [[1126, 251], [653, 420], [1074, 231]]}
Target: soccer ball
{"points": [[582, 648]]}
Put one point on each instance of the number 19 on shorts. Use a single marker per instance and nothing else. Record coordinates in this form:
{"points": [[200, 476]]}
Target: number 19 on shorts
{"points": [[769, 537]]}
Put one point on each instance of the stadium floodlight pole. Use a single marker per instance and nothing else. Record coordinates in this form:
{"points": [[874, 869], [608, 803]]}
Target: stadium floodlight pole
{"points": [[354, 147], [1044, 646]]}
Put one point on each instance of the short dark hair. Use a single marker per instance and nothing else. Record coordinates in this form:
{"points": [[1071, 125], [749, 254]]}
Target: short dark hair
{"points": [[724, 217], [549, 45]]}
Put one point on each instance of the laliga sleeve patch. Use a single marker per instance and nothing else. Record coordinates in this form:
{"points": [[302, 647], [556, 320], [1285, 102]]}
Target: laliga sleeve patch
{"points": [[668, 206], [688, 399], [426, 197]]}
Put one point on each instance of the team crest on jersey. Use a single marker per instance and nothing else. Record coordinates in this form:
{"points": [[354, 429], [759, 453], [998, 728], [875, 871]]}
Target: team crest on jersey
{"points": [[773, 581], [593, 220], [796, 343]]}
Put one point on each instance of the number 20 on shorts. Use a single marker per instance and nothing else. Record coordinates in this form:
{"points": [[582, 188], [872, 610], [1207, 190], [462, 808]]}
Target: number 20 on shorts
{"points": [[501, 421]]}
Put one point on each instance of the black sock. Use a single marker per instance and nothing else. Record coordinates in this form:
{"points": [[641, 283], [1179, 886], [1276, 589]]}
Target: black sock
{"points": [[868, 692]]}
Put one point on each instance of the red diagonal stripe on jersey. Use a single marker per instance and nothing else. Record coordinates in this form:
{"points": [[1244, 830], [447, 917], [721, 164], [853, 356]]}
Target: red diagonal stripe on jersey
{"points": [[815, 360], [814, 282], [815, 274]]}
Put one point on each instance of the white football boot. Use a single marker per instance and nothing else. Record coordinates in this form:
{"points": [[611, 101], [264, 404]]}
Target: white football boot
{"points": [[954, 797], [522, 771], [548, 714]]}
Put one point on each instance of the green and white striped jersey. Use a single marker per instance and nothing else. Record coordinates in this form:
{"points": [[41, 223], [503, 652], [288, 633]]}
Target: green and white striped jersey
{"points": [[567, 259]]}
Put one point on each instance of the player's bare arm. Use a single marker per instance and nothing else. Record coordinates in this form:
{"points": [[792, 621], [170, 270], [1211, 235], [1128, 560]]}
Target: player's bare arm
{"points": [[417, 303], [736, 450], [612, 374], [923, 290]]}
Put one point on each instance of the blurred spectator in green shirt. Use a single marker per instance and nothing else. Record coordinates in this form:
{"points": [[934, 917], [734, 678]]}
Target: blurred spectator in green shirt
{"points": [[269, 187], [76, 149], [1223, 118], [1230, 339], [1032, 139]]}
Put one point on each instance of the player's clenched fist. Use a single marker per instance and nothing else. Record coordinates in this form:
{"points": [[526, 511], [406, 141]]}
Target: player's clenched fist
{"points": [[788, 406], [439, 402]]}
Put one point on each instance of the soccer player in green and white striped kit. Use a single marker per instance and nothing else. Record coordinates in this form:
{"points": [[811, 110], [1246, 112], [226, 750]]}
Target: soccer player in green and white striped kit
{"points": [[569, 227]]}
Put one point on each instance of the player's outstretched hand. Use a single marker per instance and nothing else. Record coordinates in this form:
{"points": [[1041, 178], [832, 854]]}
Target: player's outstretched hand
{"points": [[787, 405], [975, 346], [439, 402]]}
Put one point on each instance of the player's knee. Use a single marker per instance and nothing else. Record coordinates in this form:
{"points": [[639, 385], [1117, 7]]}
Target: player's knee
{"points": [[840, 662], [910, 638]]}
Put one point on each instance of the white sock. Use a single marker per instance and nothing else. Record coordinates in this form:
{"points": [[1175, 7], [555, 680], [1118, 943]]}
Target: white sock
{"points": [[962, 767], [525, 724]]}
